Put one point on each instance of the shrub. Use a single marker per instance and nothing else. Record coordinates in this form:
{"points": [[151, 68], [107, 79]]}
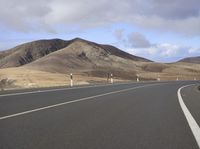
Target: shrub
{"points": [[4, 83]]}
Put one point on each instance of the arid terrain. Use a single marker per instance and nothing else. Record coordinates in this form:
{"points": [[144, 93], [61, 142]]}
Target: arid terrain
{"points": [[49, 63]]}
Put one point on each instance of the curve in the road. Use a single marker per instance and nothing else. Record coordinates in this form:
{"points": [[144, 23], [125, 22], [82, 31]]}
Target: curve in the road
{"points": [[190, 119]]}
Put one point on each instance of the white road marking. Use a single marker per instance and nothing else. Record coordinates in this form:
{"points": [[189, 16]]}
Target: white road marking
{"points": [[73, 101], [59, 89], [191, 121]]}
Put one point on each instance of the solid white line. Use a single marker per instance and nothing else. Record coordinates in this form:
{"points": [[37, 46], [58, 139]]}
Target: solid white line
{"points": [[61, 89], [73, 101], [49, 90], [191, 121]]}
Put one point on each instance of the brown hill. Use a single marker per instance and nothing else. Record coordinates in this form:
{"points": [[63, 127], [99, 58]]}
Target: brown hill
{"points": [[81, 56], [29, 52], [195, 60], [112, 50]]}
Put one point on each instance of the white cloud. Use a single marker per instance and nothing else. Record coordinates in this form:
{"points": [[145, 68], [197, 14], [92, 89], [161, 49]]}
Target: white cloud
{"points": [[188, 26], [169, 50], [137, 44], [179, 16], [165, 52], [194, 50]]}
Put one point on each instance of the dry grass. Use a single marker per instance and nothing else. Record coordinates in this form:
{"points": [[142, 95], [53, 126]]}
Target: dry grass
{"points": [[26, 78], [182, 71]]}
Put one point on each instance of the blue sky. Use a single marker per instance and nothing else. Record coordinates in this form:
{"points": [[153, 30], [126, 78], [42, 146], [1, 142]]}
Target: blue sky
{"points": [[163, 31]]}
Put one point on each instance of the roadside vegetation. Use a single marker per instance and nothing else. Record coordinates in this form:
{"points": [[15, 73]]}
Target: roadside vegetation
{"points": [[6, 83]]}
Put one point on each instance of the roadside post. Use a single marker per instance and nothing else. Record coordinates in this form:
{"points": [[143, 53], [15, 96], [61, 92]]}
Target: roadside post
{"points": [[71, 80], [158, 79], [138, 78], [111, 78]]}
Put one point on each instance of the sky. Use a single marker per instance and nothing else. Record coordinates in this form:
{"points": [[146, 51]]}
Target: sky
{"points": [[160, 30]]}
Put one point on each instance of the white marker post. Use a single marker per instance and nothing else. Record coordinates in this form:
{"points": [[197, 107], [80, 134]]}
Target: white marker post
{"points": [[195, 79], [71, 80], [111, 78], [138, 78], [158, 79], [177, 79]]}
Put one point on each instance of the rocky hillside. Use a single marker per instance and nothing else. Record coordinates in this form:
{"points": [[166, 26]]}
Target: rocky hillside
{"points": [[92, 59], [29, 52], [32, 51]]}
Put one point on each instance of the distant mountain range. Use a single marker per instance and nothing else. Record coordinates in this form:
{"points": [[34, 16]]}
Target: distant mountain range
{"points": [[191, 60]]}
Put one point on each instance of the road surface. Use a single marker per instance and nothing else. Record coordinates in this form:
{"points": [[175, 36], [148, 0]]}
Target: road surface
{"points": [[123, 116]]}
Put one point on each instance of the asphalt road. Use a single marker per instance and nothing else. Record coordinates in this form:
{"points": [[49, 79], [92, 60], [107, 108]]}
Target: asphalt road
{"points": [[125, 116]]}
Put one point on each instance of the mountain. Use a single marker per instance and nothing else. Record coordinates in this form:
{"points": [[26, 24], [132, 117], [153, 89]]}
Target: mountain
{"points": [[32, 51], [92, 59], [195, 60], [76, 55], [49, 63], [29, 52]]}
